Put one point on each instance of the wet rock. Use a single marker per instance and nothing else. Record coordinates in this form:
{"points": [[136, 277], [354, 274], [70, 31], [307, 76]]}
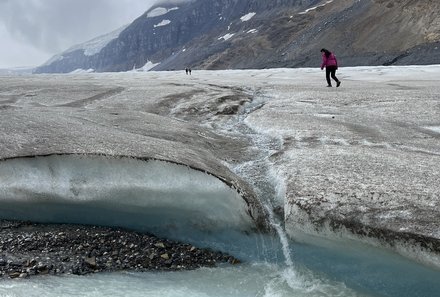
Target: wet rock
{"points": [[90, 262], [14, 274], [279, 212], [234, 261]]}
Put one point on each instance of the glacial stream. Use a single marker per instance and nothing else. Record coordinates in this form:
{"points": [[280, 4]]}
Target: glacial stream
{"points": [[317, 272]]}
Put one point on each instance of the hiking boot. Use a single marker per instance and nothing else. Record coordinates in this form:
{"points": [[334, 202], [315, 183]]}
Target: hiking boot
{"points": [[338, 84], [329, 86]]}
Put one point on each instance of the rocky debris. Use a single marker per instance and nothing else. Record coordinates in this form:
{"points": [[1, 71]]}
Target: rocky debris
{"points": [[28, 249]]}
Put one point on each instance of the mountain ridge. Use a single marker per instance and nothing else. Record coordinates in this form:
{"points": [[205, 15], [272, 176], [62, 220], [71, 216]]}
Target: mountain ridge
{"points": [[238, 34]]}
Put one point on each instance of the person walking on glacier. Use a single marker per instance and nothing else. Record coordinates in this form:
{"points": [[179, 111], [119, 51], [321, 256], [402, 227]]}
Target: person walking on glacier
{"points": [[330, 63]]}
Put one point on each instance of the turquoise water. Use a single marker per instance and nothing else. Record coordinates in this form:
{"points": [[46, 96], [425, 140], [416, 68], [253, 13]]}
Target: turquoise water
{"points": [[257, 279], [316, 271]]}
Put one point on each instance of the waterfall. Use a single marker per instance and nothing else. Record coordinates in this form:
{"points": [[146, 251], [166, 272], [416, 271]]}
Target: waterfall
{"points": [[266, 183], [282, 236]]}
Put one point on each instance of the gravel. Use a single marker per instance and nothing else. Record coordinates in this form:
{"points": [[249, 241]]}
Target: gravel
{"points": [[29, 249]]}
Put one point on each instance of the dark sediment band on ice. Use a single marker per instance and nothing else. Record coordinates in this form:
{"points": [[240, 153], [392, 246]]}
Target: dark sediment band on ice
{"points": [[29, 249], [389, 237], [416, 246]]}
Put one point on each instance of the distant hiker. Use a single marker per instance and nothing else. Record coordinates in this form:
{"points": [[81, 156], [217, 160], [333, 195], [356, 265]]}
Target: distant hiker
{"points": [[189, 69], [330, 63], [186, 70]]}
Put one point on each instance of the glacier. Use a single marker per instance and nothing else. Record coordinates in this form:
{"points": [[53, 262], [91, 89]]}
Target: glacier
{"points": [[350, 174]]}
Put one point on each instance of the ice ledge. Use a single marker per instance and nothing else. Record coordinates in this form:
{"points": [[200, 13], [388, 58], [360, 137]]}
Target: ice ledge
{"points": [[144, 194], [303, 226]]}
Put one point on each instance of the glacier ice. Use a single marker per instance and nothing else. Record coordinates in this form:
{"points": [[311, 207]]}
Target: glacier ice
{"points": [[154, 196]]}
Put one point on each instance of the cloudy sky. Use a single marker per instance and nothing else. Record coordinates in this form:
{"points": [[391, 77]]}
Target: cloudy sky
{"points": [[32, 31]]}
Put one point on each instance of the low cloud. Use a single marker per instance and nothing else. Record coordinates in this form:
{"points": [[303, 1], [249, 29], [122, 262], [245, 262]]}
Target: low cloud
{"points": [[52, 26]]}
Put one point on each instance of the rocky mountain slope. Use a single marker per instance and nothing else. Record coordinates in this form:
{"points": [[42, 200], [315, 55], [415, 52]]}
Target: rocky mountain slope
{"points": [[223, 34]]}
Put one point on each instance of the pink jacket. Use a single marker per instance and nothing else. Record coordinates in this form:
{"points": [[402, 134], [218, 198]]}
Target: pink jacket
{"points": [[330, 61]]}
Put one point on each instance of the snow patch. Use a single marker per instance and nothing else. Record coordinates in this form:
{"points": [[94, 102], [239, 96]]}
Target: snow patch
{"points": [[160, 11], [149, 65], [315, 7], [90, 48], [81, 71], [94, 46], [252, 31], [226, 36], [163, 23], [247, 17]]}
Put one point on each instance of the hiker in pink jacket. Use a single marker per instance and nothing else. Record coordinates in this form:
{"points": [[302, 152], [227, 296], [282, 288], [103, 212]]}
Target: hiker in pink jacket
{"points": [[331, 65]]}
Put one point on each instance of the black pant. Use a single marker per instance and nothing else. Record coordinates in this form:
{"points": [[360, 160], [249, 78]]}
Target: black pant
{"points": [[330, 70]]}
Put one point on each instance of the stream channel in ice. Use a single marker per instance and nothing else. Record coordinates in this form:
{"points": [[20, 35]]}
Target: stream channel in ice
{"points": [[272, 265]]}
